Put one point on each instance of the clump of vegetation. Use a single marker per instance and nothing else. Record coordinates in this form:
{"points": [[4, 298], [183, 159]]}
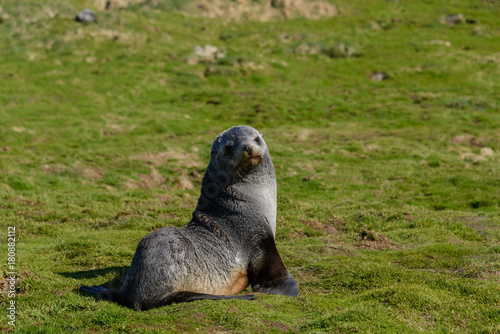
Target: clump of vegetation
{"points": [[341, 50], [338, 50], [304, 48], [458, 104]]}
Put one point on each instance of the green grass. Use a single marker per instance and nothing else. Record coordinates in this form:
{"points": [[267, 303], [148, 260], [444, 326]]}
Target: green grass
{"points": [[388, 192]]}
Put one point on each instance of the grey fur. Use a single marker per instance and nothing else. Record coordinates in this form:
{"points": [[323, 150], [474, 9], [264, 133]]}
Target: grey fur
{"points": [[229, 242]]}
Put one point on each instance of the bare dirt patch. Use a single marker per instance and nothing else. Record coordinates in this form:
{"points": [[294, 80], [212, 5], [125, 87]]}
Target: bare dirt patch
{"points": [[89, 173], [409, 217], [320, 226], [25, 201], [93, 174], [116, 4], [125, 214], [304, 134], [480, 225], [4, 284], [277, 325], [147, 181], [465, 139], [184, 183], [375, 241], [260, 10], [185, 159], [55, 168], [263, 10], [164, 198], [297, 235]]}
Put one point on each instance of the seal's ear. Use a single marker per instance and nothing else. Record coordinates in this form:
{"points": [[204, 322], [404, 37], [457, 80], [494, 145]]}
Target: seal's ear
{"points": [[267, 273]]}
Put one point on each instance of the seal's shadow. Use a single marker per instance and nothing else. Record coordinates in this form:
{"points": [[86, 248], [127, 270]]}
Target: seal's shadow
{"points": [[114, 284]]}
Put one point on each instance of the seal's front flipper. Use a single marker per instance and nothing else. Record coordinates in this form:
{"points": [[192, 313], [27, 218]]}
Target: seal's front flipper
{"points": [[267, 273], [284, 286], [188, 296]]}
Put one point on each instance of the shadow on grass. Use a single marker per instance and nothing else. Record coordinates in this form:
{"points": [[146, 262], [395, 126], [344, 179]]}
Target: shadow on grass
{"points": [[115, 283]]}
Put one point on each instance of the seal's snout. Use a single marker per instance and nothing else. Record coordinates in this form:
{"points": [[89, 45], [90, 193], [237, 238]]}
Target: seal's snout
{"points": [[253, 147], [250, 156], [249, 149]]}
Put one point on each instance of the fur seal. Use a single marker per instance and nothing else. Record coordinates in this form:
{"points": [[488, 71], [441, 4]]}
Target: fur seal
{"points": [[227, 245]]}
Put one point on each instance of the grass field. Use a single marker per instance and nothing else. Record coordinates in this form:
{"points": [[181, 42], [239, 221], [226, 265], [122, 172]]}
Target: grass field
{"points": [[388, 191]]}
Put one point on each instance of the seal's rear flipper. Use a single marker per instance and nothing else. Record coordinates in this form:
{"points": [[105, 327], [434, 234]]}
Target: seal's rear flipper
{"points": [[167, 299], [188, 296], [268, 273], [98, 291]]}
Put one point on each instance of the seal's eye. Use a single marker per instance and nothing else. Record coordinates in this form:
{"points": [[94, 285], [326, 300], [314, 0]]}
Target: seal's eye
{"points": [[257, 140], [228, 149]]}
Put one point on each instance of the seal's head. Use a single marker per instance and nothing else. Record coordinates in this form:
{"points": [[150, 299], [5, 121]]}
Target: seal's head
{"points": [[239, 151], [240, 179]]}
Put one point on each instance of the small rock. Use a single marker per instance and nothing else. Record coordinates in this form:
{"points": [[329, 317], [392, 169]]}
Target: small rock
{"points": [[208, 52], [205, 54], [487, 151], [477, 31], [440, 42], [341, 50], [372, 147], [86, 16], [306, 49], [379, 76], [468, 156], [453, 19]]}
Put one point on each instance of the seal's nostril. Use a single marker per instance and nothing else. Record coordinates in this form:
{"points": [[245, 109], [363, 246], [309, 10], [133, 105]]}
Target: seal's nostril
{"points": [[248, 148]]}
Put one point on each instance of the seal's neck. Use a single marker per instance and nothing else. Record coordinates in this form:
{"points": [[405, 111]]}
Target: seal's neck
{"points": [[259, 199], [252, 199]]}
